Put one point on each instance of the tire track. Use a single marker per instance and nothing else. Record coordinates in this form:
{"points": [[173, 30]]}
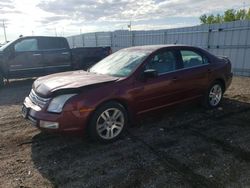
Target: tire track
{"points": [[236, 151], [227, 147], [194, 179], [208, 117]]}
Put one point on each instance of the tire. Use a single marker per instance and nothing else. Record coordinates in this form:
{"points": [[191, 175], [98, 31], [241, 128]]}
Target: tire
{"points": [[1, 81], [214, 95], [108, 122]]}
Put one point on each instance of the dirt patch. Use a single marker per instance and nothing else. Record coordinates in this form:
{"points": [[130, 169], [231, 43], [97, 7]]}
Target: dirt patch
{"points": [[185, 146]]}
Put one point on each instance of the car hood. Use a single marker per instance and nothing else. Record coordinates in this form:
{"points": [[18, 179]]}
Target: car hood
{"points": [[68, 81]]}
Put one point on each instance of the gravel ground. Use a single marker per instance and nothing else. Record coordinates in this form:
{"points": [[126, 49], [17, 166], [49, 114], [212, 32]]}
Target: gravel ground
{"points": [[185, 146]]}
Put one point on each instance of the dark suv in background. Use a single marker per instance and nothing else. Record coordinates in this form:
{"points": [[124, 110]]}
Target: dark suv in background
{"points": [[39, 55]]}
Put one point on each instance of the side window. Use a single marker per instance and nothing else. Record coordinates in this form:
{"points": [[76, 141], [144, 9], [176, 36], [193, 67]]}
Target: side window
{"points": [[163, 62], [26, 45], [52, 43], [192, 59]]}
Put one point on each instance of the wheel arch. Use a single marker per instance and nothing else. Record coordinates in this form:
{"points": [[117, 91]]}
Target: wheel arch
{"points": [[222, 81], [121, 101], [117, 100]]}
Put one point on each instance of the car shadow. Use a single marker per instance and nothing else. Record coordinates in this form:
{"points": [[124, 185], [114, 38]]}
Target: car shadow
{"points": [[68, 161], [15, 91]]}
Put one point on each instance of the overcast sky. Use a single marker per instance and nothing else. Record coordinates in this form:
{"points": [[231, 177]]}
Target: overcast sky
{"points": [[68, 17]]}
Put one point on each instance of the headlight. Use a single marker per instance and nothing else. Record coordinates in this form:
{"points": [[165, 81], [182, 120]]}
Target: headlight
{"points": [[57, 103]]}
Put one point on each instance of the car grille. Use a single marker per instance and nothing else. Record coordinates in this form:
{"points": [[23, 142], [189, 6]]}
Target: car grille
{"points": [[39, 101]]}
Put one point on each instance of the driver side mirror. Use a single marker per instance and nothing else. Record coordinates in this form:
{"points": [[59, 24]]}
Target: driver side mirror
{"points": [[150, 73]]}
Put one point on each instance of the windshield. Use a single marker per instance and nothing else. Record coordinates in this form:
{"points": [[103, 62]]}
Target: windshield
{"points": [[120, 64], [5, 45]]}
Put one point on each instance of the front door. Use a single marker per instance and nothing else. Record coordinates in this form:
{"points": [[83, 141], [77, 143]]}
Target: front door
{"points": [[26, 59], [162, 90]]}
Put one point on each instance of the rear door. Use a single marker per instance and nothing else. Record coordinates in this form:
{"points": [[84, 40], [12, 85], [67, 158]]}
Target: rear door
{"points": [[26, 59], [194, 72], [56, 54]]}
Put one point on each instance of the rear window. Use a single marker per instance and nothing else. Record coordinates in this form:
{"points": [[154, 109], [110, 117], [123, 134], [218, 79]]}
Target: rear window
{"points": [[52, 43], [192, 59]]}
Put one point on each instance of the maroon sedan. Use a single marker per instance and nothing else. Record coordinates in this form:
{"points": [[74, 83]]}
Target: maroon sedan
{"points": [[128, 83]]}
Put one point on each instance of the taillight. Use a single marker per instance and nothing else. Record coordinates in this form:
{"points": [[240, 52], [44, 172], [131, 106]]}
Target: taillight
{"points": [[110, 51], [229, 64]]}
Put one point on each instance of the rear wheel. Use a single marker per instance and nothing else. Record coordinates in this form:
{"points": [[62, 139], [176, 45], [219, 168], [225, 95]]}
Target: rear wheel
{"points": [[214, 95], [108, 122]]}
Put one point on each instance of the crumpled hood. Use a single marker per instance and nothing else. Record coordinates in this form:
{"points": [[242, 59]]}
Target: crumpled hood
{"points": [[45, 86]]}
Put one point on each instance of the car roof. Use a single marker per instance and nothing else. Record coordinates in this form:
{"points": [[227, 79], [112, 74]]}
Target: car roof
{"points": [[152, 48], [26, 37]]}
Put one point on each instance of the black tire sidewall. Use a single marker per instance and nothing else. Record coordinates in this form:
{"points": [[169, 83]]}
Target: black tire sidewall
{"points": [[92, 131], [206, 100]]}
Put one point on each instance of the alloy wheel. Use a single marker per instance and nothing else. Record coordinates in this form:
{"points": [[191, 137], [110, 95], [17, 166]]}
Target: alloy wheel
{"points": [[215, 95], [110, 123]]}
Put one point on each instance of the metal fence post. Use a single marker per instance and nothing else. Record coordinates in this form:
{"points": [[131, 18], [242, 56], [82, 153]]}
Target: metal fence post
{"points": [[165, 37], [132, 38], [208, 36], [83, 40], [111, 39], [96, 39]]}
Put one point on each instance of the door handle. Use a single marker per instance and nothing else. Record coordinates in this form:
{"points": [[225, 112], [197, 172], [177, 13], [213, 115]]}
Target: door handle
{"points": [[209, 71], [36, 54], [174, 78], [65, 53]]}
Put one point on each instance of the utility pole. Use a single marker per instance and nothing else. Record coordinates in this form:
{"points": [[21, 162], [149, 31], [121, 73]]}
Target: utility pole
{"points": [[4, 30], [130, 26], [131, 34], [55, 32]]}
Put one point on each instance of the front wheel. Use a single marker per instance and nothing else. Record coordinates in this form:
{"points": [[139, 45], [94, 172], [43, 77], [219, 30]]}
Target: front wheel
{"points": [[108, 122], [214, 95]]}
